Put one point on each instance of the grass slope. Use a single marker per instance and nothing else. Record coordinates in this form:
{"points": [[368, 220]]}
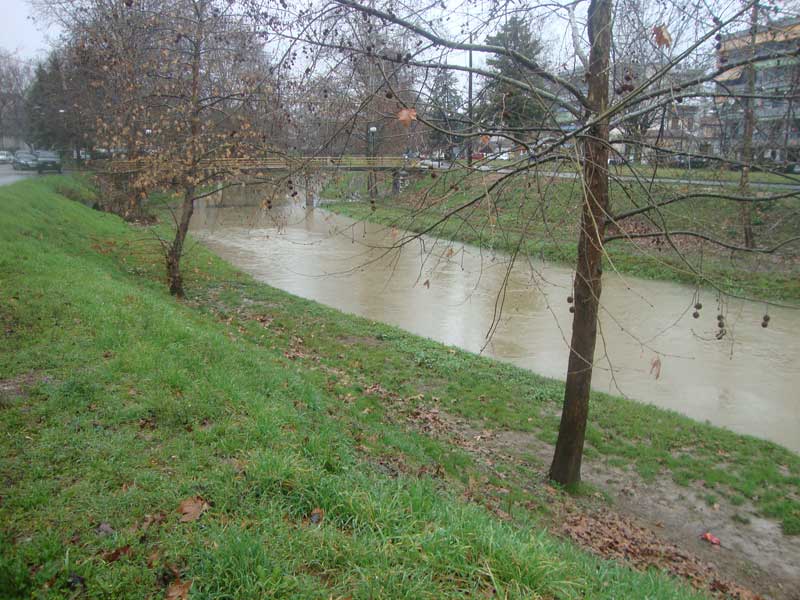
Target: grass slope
{"points": [[119, 403], [538, 217]]}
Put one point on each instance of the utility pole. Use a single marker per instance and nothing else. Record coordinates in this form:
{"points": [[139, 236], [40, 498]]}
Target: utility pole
{"points": [[469, 104], [371, 179]]}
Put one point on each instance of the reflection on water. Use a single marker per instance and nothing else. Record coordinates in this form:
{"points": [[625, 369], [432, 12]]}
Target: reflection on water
{"points": [[450, 292]]}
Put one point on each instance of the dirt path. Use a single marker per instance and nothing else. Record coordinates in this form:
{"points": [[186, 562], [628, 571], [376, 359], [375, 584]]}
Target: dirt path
{"points": [[647, 524]]}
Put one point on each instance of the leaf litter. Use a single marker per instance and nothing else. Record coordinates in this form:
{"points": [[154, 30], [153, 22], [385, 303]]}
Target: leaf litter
{"points": [[192, 509]]}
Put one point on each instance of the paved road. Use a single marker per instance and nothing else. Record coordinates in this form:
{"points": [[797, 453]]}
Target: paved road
{"points": [[9, 175]]}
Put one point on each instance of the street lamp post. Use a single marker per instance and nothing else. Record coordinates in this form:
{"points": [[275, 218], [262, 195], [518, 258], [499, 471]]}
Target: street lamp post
{"points": [[371, 182]]}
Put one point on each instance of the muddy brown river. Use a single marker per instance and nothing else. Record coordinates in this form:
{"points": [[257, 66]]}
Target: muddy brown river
{"points": [[748, 382]]}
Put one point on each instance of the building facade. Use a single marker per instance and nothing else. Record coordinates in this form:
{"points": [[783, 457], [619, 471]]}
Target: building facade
{"points": [[776, 135]]}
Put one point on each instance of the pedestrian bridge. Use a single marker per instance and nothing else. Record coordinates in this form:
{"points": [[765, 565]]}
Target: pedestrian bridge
{"points": [[290, 163]]}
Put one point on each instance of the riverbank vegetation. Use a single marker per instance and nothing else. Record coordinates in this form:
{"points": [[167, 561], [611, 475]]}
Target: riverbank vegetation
{"points": [[721, 174], [536, 216], [252, 444]]}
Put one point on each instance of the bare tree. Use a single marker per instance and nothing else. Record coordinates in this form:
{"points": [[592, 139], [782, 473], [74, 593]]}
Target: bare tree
{"points": [[184, 84], [15, 76], [583, 114]]}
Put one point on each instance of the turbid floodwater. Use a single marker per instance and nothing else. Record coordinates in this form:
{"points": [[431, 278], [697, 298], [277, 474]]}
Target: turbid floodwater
{"points": [[652, 349]]}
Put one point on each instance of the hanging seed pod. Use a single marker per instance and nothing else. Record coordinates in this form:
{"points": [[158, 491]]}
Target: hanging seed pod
{"points": [[696, 315], [572, 309], [698, 306], [570, 299], [765, 324], [766, 318]]}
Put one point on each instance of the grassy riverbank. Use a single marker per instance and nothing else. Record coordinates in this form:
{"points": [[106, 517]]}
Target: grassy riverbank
{"points": [[290, 425], [539, 217], [721, 175]]}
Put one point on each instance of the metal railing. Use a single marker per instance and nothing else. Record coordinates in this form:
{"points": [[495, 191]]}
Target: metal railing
{"points": [[273, 164]]}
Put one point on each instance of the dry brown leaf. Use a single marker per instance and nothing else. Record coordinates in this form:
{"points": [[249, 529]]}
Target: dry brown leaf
{"points": [[427, 283], [406, 115], [104, 529], [153, 558], [663, 38], [154, 519], [316, 516], [485, 139], [116, 554], [178, 590], [192, 508], [655, 367]]}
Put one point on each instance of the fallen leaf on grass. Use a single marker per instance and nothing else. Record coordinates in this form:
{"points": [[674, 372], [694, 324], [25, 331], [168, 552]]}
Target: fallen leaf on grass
{"points": [[168, 575], [710, 538], [316, 516], [154, 519], [192, 508], [114, 555], [75, 582], [104, 529], [153, 558], [178, 590]]}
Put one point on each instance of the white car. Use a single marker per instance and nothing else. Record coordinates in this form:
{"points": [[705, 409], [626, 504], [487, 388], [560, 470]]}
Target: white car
{"points": [[6, 158]]}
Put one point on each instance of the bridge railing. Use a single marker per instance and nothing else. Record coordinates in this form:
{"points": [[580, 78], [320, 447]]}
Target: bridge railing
{"points": [[275, 163]]}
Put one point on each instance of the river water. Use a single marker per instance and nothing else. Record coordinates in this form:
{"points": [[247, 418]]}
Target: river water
{"points": [[748, 382]]}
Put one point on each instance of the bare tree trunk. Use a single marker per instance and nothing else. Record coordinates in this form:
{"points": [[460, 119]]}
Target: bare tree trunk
{"points": [[566, 467], [175, 252], [746, 210]]}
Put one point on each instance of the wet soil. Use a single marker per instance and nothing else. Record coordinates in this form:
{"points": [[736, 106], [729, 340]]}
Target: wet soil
{"points": [[646, 524]]}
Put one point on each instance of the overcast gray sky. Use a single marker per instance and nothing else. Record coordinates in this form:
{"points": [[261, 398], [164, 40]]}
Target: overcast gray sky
{"points": [[22, 34]]}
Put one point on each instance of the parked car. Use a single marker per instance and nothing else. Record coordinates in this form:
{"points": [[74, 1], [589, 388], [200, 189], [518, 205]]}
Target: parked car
{"points": [[683, 161], [24, 161], [793, 168], [6, 158], [47, 161]]}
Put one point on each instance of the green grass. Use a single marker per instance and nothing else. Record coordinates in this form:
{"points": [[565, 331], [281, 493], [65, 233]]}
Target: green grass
{"points": [[724, 175], [708, 174], [132, 402], [541, 218]]}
